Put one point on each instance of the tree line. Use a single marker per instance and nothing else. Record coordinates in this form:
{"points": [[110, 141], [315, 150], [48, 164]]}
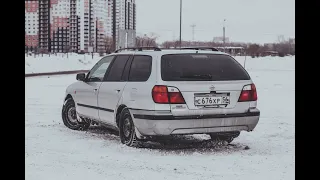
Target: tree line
{"points": [[281, 47]]}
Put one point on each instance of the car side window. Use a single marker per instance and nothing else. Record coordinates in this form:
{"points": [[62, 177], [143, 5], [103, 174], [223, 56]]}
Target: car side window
{"points": [[117, 67], [99, 70], [140, 68]]}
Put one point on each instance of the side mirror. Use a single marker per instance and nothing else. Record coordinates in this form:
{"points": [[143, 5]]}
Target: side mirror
{"points": [[81, 77]]}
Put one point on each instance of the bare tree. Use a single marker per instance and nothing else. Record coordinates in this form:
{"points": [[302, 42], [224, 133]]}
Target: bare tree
{"points": [[67, 49], [282, 46], [146, 40], [43, 51], [108, 42], [175, 44], [280, 39], [253, 50]]}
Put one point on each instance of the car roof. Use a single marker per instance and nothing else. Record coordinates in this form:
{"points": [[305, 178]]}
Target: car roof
{"points": [[167, 51]]}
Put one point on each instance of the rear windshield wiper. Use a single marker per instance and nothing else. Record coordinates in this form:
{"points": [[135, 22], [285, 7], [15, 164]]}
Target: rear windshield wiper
{"points": [[198, 76]]}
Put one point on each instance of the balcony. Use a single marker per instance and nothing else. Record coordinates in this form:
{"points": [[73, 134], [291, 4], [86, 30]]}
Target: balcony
{"points": [[43, 2]]}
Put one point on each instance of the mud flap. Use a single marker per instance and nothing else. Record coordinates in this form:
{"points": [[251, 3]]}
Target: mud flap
{"points": [[138, 134], [79, 119]]}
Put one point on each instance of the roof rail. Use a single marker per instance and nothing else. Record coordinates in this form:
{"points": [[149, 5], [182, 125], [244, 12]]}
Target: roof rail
{"points": [[200, 48], [138, 49]]}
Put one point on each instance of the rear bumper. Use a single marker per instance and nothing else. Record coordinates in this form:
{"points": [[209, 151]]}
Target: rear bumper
{"points": [[162, 123]]}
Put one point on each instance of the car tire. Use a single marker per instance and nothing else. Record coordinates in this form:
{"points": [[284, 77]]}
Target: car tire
{"points": [[69, 116], [127, 131]]}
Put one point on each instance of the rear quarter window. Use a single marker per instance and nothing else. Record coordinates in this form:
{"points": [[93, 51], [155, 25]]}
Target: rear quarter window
{"points": [[201, 67], [140, 68]]}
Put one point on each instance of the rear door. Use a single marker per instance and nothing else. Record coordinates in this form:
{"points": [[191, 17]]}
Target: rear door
{"points": [[138, 88], [111, 89], [209, 83]]}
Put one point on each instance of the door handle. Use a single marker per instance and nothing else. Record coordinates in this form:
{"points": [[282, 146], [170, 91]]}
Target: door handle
{"points": [[118, 90], [95, 90]]}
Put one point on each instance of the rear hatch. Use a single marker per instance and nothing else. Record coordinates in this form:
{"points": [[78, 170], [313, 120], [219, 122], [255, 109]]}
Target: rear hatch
{"points": [[206, 81]]}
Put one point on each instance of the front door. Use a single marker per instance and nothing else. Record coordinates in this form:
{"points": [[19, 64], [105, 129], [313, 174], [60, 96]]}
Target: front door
{"points": [[87, 94], [111, 89]]}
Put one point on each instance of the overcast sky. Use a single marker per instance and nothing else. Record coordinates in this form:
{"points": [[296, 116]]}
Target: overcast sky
{"points": [[256, 21]]}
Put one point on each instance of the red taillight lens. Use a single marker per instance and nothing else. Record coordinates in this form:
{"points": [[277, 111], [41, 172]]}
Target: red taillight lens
{"points": [[254, 92], [176, 98], [161, 95], [248, 93], [244, 96]]}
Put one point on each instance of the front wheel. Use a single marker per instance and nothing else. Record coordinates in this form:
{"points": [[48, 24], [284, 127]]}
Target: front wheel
{"points": [[127, 131], [69, 116]]}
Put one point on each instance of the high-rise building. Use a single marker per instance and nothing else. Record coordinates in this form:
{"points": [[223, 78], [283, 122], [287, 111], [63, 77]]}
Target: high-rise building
{"points": [[125, 22], [74, 26], [77, 25], [31, 23], [44, 26], [59, 25]]}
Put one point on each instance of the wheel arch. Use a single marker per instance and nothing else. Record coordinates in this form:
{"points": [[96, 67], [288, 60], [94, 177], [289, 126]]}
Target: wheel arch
{"points": [[68, 97], [119, 110]]}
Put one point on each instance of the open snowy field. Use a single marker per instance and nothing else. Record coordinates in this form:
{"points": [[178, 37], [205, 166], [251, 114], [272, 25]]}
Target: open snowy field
{"points": [[59, 62], [53, 151]]}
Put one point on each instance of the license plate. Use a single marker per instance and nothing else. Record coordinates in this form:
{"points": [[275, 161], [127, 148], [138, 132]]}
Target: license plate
{"points": [[211, 100]]}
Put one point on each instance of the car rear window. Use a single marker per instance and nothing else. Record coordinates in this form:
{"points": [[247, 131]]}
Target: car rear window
{"points": [[201, 67]]}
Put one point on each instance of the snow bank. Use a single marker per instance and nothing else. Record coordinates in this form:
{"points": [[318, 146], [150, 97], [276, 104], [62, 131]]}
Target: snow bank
{"points": [[74, 61], [59, 62], [268, 63]]}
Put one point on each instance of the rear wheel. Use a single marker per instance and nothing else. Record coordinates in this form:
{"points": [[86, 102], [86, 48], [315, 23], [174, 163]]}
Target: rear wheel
{"points": [[225, 136], [127, 131], [69, 116]]}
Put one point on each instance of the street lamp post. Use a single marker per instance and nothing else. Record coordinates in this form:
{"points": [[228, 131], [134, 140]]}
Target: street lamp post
{"points": [[224, 35], [180, 21]]}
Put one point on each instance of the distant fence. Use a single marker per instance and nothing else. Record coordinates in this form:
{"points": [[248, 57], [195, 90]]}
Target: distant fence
{"points": [[55, 73]]}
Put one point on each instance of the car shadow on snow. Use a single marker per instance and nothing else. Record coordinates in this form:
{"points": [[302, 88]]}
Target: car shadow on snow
{"points": [[177, 144]]}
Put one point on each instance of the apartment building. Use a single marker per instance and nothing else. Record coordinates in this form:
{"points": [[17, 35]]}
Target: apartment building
{"points": [[31, 24], [77, 25], [59, 25], [125, 22]]}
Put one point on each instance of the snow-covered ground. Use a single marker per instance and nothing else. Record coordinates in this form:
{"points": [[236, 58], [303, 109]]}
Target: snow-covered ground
{"points": [[53, 151], [59, 62]]}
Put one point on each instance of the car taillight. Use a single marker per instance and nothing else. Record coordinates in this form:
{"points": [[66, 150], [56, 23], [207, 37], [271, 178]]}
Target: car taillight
{"points": [[160, 94], [248, 93], [167, 95]]}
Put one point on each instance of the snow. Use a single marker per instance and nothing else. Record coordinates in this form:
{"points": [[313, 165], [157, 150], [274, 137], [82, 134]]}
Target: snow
{"points": [[53, 151], [59, 62]]}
